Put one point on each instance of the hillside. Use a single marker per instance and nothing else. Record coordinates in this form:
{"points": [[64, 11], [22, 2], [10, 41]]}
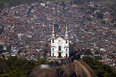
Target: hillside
{"points": [[14, 67], [8, 3]]}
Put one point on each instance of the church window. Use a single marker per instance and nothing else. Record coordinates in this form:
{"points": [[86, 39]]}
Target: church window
{"points": [[52, 49], [59, 48], [66, 49], [53, 54], [53, 41], [66, 41]]}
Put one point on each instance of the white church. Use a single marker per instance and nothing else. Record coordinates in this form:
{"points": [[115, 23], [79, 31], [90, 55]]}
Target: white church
{"points": [[60, 45]]}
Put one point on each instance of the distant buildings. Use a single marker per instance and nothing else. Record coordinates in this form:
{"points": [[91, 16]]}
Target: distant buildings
{"points": [[27, 27]]}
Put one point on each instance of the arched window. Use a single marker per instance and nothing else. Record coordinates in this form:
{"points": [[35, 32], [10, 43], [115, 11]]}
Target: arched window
{"points": [[66, 49], [59, 48], [66, 41], [52, 40], [52, 54], [52, 49]]}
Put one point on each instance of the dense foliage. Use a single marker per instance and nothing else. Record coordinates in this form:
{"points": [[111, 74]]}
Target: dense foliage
{"points": [[101, 69], [15, 67]]}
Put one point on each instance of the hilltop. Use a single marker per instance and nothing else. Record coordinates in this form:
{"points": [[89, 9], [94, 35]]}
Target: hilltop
{"points": [[76, 69]]}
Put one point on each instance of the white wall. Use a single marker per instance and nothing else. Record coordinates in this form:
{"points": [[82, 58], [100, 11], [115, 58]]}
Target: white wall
{"points": [[60, 42]]}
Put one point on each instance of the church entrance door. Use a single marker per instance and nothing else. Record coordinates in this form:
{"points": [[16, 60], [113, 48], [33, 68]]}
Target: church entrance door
{"points": [[59, 54], [66, 55]]}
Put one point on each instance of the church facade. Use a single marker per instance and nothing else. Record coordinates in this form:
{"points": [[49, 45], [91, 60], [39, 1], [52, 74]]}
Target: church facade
{"points": [[60, 45]]}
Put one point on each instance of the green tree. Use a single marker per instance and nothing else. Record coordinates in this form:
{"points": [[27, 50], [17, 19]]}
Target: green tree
{"points": [[101, 69]]}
